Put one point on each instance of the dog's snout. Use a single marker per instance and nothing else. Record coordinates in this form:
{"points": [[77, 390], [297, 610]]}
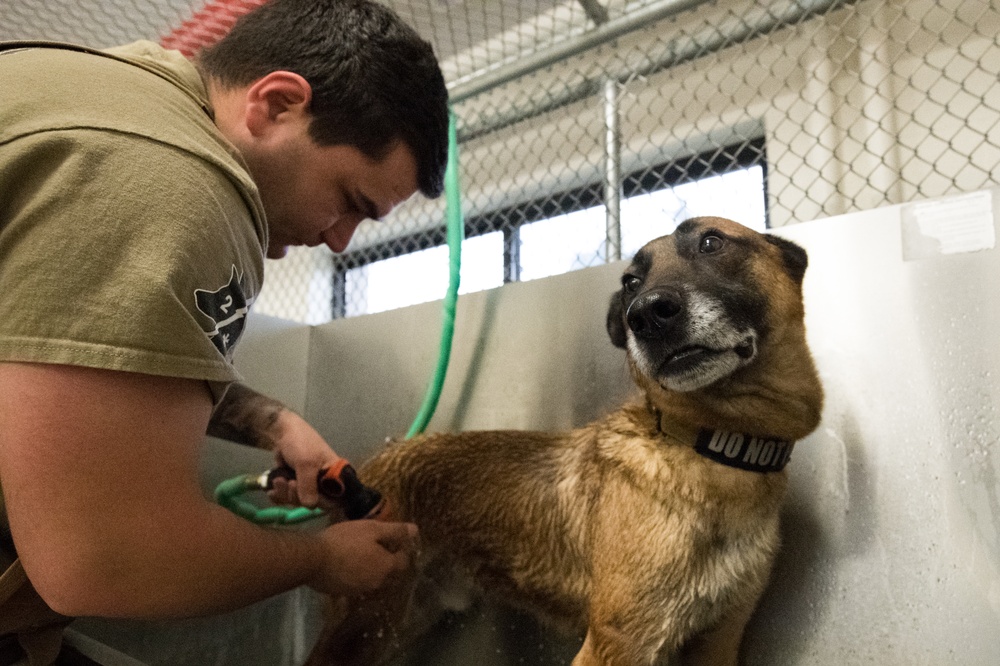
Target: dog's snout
{"points": [[651, 314]]}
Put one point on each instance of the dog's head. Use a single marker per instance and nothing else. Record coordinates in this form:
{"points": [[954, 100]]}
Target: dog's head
{"points": [[698, 305]]}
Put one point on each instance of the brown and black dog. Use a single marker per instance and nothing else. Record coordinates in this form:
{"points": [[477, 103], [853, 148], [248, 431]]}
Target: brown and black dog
{"points": [[653, 530]]}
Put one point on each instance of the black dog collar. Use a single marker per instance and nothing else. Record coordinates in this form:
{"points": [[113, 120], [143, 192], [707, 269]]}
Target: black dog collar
{"points": [[751, 453], [747, 452]]}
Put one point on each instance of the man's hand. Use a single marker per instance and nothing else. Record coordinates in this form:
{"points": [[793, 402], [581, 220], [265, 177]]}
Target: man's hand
{"points": [[303, 449], [364, 555], [247, 417]]}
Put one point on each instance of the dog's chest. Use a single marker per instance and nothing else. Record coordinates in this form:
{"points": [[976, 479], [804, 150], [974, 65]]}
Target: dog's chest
{"points": [[716, 527], [728, 568], [738, 550]]}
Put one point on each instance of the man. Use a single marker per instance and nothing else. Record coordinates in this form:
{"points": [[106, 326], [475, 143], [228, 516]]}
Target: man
{"points": [[139, 193]]}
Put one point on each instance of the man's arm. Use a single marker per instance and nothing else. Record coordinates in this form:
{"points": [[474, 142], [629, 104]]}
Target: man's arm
{"points": [[100, 477], [247, 417]]}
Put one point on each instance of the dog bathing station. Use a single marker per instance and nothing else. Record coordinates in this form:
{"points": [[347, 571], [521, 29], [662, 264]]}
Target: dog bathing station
{"points": [[891, 528]]}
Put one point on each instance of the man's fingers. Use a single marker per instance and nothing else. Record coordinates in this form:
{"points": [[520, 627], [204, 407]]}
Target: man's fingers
{"points": [[399, 538], [303, 490], [308, 490], [402, 542], [366, 555], [282, 491]]}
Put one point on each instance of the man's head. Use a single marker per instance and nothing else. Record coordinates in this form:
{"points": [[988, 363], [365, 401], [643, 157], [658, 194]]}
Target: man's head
{"points": [[364, 80]]}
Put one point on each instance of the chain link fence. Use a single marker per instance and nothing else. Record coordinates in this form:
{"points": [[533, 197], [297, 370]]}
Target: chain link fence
{"points": [[611, 120]]}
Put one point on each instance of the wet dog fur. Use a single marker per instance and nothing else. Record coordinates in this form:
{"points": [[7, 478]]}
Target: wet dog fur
{"points": [[620, 530]]}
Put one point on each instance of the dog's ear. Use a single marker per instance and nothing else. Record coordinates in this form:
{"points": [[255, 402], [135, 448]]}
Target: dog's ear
{"points": [[616, 320], [795, 258]]}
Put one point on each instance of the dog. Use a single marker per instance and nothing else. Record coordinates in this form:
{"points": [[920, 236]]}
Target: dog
{"points": [[652, 531]]}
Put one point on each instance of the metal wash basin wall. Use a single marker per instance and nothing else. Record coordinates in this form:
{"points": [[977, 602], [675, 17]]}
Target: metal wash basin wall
{"points": [[892, 528]]}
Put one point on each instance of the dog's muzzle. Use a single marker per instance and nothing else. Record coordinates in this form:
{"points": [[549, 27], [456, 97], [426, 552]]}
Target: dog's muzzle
{"points": [[655, 314], [684, 339]]}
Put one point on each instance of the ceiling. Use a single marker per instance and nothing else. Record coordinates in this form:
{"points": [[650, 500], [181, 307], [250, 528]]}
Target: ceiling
{"points": [[469, 36]]}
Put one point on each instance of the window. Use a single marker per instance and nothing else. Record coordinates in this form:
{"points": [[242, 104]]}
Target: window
{"points": [[423, 275], [576, 240], [738, 195], [562, 243], [564, 232]]}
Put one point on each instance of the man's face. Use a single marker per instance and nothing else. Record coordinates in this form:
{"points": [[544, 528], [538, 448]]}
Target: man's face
{"points": [[317, 194]]}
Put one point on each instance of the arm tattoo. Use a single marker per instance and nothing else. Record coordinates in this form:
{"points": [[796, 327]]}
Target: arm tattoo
{"points": [[246, 417]]}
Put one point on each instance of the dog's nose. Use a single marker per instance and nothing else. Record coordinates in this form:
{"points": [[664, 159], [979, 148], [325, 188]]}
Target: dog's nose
{"points": [[651, 314]]}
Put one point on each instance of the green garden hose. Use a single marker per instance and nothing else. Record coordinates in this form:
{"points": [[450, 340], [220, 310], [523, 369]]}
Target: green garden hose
{"points": [[456, 233], [230, 493]]}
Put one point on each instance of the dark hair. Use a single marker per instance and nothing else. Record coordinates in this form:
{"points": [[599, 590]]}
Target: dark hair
{"points": [[374, 79]]}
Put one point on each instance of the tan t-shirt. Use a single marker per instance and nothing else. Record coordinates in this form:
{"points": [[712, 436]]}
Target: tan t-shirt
{"points": [[131, 235]]}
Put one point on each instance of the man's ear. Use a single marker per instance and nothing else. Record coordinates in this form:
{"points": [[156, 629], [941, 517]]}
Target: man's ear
{"points": [[275, 98]]}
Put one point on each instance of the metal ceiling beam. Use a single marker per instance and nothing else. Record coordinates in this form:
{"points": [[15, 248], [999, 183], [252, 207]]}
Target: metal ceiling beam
{"points": [[795, 12], [602, 34]]}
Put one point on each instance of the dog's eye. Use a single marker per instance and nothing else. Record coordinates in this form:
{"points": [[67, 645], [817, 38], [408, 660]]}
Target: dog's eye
{"points": [[710, 243], [630, 283]]}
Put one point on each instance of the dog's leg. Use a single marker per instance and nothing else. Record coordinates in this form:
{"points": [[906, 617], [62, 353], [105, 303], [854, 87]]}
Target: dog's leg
{"points": [[587, 655], [719, 646], [599, 649], [627, 627], [335, 614], [606, 645], [365, 631], [630, 620], [371, 630]]}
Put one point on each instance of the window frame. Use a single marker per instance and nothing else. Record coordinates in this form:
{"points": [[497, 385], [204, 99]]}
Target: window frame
{"points": [[510, 219]]}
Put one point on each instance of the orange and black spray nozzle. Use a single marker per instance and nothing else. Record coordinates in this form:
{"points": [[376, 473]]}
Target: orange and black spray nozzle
{"points": [[339, 483]]}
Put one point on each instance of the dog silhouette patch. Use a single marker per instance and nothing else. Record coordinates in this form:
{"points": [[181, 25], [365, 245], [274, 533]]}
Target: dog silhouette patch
{"points": [[227, 307]]}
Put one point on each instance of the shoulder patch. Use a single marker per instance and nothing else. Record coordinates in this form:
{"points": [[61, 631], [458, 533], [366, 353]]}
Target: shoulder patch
{"points": [[227, 307]]}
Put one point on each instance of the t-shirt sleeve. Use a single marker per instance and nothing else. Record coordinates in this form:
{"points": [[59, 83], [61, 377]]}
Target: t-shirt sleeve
{"points": [[123, 253]]}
